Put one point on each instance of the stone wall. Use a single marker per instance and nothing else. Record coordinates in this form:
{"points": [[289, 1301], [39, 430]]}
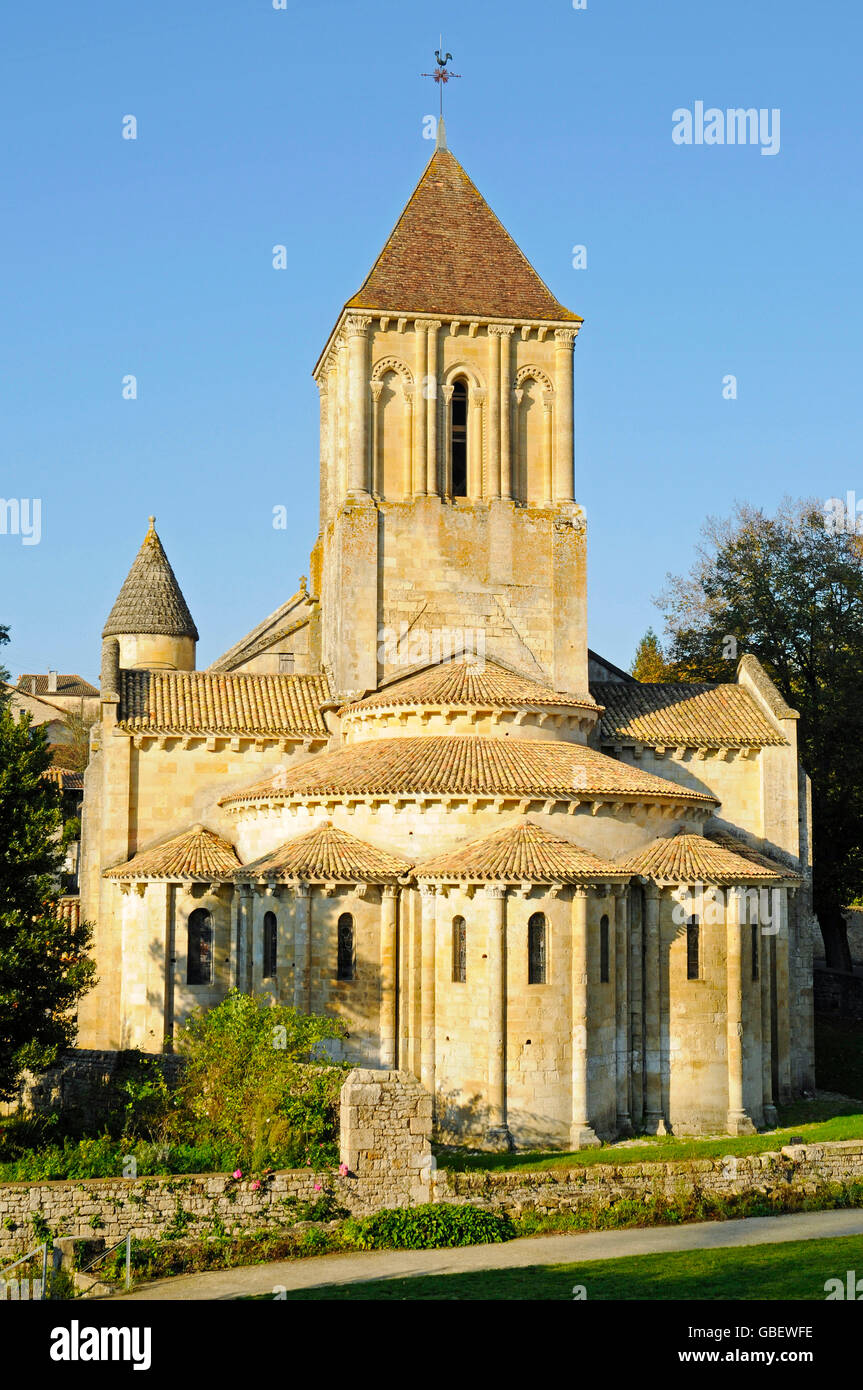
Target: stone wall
{"points": [[385, 1139], [838, 995], [798, 1167], [79, 1084], [386, 1152]]}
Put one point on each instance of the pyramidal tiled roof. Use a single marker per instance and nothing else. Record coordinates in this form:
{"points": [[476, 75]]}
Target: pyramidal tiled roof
{"points": [[449, 254], [209, 702], [685, 858], [683, 715], [466, 765], [329, 855], [519, 853], [471, 683], [150, 600], [197, 854]]}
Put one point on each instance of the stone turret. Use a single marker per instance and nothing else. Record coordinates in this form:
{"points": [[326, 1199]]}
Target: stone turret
{"points": [[150, 617]]}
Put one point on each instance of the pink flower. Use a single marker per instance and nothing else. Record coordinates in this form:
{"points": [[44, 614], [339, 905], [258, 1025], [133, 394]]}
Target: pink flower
{"points": [[255, 1185], [237, 1173], [317, 1187], [343, 1170]]}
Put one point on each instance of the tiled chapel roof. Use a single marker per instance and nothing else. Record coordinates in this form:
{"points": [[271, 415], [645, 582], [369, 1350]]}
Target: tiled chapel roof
{"points": [[682, 714], [329, 855], [685, 858], [150, 600], [214, 703], [198, 854], [465, 764], [519, 853], [449, 254]]}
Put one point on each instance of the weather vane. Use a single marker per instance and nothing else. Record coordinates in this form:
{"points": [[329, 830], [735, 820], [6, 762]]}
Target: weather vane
{"points": [[441, 73]]}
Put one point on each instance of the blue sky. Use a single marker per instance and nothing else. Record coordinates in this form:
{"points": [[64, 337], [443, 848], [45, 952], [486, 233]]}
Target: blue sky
{"points": [[304, 126]]}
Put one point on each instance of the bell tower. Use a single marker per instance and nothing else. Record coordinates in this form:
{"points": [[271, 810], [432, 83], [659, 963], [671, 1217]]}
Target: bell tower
{"points": [[447, 503]]}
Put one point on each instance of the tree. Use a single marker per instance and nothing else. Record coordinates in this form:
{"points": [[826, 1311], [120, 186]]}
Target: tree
{"points": [[44, 965], [650, 664], [789, 589], [75, 754]]}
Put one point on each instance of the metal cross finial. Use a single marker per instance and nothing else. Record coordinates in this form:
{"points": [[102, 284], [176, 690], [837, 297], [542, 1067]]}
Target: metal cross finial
{"points": [[441, 74]]}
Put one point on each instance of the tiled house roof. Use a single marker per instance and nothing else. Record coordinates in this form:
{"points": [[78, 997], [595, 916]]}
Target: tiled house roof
{"points": [[682, 715], [64, 778], [449, 254], [212, 703], [198, 854], [150, 600], [684, 858], [466, 765], [466, 683], [325, 854], [67, 685], [520, 853]]}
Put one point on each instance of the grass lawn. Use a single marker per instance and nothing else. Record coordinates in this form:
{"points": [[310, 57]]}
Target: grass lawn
{"points": [[794, 1270], [813, 1121]]}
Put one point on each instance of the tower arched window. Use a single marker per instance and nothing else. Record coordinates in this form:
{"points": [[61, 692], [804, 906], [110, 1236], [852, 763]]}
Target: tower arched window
{"points": [[536, 950], [199, 948], [458, 439], [271, 937], [693, 949], [459, 950], [345, 964]]}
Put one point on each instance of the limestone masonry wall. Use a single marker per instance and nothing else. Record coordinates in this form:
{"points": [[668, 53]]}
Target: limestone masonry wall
{"points": [[386, 1122]]}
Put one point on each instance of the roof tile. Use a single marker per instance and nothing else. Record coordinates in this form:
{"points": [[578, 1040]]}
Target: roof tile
{"points": [[197, 854], [222, 703], [672, 715]]}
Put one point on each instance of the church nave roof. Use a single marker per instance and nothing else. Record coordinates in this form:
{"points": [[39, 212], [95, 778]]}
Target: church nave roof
{"points": [[210, 702]]}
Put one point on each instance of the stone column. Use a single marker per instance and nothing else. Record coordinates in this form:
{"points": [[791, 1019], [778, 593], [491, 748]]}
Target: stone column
{"points": [[377, 440], [357, 327], [771, 1119], [636, 1077], [654, 1121], [420, 412], [335, 494], [783, 1021], [737, 1121], [621, 962], [433, 408], [302, 948], [565, 442], [474, 447], [581, 1132], [409, 436], [493, 411], [244, 938], [389, 914], [498, 1132], [324, 501], [506, 469], [427, 986], [446, 470], [547, 448]]}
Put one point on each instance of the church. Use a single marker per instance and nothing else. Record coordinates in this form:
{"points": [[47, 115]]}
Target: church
{"points": [[575, 906]]}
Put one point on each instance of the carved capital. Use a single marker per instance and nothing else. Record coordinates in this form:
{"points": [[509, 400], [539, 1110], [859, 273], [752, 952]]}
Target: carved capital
{"points": [[495, 890], [501, 330], [357, 325], [565, 337], [376, 390]]}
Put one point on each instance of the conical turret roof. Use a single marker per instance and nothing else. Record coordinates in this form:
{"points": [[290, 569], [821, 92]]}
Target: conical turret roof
{"points": [[150, 601], [449, 254]]}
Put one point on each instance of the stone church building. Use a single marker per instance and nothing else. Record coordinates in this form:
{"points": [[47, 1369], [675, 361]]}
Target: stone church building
{"points": [[572, 904]]}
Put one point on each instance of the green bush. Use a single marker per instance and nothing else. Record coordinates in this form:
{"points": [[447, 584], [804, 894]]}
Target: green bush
{"points": [[258, 1079], [428, 1227]]}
